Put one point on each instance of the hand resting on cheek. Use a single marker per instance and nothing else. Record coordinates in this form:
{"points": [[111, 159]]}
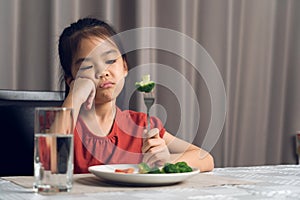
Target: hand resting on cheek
{"points": [[84, 91]]}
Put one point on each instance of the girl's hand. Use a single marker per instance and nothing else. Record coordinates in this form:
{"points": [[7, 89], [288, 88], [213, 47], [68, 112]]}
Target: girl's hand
{"points": [[84, 86], [83, 91], [154, 148]]}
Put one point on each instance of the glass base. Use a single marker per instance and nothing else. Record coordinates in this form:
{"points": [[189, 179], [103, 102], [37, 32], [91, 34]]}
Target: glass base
{"points": [[51, 189]]}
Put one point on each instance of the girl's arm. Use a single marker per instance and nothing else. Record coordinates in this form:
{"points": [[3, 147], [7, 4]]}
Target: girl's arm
{"points": [[194, 156], [159, 150]]}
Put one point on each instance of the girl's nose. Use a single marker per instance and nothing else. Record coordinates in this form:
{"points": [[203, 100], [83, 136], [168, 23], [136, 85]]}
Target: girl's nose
{"points": [[102, 75]]}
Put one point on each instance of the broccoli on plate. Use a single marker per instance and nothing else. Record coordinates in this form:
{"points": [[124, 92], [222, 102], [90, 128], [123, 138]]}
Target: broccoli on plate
{"points": [[179, 167]]}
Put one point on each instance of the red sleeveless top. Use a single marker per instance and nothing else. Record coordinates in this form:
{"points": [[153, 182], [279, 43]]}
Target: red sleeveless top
{"points": [[122, 145]]}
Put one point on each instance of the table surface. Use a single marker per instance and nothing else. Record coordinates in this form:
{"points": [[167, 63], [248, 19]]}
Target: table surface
{"points": [[268, 182]]}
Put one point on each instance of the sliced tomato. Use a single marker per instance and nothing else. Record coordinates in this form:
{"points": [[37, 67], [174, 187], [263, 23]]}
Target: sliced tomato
{"points": [[125, 171]]}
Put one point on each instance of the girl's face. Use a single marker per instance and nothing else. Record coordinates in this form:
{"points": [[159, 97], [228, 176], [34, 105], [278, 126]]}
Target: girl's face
{"points": [[101, 61]]}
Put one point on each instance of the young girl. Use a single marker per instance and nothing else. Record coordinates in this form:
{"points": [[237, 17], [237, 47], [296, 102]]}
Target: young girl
{"points": [[94, 72]]}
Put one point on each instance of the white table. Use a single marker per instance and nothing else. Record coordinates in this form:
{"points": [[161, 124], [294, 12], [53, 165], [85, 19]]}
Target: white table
{"points": [[271, 182]]}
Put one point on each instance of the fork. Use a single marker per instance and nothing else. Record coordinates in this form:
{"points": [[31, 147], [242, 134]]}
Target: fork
{"points": [[149, 101]]}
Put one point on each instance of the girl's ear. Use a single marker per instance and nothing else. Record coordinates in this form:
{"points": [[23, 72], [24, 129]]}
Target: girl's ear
{"points": [[125, 68], [68, 80]]}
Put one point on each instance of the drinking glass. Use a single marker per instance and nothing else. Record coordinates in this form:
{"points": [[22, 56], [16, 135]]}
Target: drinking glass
{"points": [[53, 149], [298, 145]]}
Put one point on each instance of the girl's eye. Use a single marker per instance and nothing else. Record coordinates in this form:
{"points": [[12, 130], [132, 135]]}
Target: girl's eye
{"points": [[109, 62], [85, 67]]}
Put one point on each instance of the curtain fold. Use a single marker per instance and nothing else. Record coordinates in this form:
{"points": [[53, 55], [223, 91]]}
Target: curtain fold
{"points": [[254, 44]]}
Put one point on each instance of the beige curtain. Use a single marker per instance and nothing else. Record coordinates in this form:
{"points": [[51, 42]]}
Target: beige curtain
{"points": [[255, 45]]}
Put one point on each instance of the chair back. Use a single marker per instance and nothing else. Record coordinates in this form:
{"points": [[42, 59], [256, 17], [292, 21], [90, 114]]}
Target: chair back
{"points": [[17, 128]]}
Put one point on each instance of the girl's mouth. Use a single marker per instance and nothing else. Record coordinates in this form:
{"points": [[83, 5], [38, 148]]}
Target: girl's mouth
{"points": [[107, 84]]}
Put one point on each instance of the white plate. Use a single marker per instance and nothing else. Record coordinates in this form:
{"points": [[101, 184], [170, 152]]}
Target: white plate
{"points": [[107, 172]]}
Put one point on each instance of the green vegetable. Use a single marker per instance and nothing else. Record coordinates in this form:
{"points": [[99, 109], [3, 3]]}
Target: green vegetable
{"points": [[170, 168], [179, 167], [155, 170], [146, 85], [144, 168]]}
